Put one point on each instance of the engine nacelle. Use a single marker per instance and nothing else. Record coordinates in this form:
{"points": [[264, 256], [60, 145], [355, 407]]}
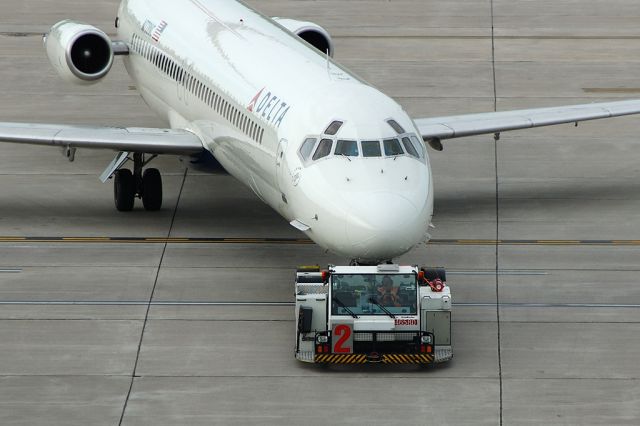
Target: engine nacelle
{"points": [[80, 53], [312, 33]]}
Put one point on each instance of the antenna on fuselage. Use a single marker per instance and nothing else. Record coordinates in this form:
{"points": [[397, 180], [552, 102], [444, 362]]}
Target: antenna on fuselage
{"points": [[328, 64]]}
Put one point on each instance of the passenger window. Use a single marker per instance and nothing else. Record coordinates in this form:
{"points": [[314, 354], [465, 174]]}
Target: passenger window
{"points": [[395, 126], [324, 149], [392, 147], [348, 148], [333, 128], [408, 146], [371, 149], [307, 148]]}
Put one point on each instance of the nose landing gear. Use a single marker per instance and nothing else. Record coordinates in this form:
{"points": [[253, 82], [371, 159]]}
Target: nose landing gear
{"points": [[128, 185], [357, 262]]}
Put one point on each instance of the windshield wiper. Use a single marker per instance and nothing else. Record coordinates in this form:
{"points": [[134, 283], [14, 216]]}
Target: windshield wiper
{"points": [[345, 156], [342, 305], [373, 300]]}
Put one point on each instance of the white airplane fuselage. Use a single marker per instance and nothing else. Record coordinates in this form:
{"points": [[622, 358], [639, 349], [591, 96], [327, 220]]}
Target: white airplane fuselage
{"points": [[254, 93]]}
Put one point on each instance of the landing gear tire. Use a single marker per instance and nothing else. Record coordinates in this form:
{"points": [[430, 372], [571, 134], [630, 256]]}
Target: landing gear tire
{"points": [[124, 190], [152, 190]]}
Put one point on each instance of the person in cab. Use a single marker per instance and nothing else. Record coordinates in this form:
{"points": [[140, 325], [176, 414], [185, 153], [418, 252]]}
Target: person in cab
{"points": [[387, 293]]}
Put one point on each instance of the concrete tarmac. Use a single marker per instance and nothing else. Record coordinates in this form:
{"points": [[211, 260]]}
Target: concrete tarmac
{"points": [[160, 332]]}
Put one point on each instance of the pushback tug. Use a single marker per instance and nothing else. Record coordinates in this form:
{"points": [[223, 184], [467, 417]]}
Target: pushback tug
{"points": [[363, 314]]}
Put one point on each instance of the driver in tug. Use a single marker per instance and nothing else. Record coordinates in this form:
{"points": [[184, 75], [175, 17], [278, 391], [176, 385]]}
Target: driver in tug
{"points": [[387, 294]]}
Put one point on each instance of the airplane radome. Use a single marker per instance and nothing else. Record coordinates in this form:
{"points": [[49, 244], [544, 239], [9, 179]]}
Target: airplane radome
{"points": [[337, 158]]}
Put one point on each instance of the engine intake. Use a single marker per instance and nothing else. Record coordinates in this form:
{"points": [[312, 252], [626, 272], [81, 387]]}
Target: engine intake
{"points": [[312, 33], [80, 53]]}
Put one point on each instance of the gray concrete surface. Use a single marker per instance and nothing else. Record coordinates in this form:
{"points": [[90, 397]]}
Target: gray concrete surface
{"points": [[104, 333]]}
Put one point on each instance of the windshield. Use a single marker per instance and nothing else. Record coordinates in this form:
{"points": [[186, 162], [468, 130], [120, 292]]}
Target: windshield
{"points": [[362, 293], [348, 148], [324, 149], [332, 145]]}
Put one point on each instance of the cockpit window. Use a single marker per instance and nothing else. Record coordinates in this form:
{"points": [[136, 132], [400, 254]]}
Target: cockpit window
{"points": [[371, 149], [395, 126], [408, 146], [307, 148], [317, 147], [333, 128], [419, 144], [348, 148], [324, 149], [392, 147]]}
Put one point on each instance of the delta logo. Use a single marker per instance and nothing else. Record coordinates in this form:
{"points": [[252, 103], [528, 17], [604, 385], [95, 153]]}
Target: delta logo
{"points": [[269, 107]]}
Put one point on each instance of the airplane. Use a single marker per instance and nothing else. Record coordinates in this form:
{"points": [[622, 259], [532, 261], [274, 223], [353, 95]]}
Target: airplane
{"points": [[338, 159]]}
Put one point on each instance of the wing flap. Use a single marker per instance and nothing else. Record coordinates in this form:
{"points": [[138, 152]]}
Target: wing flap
{"points": [[497, 122], [133, 139]]}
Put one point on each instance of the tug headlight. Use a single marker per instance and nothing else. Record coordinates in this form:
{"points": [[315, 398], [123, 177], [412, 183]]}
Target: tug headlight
{"points": [[426, 340], [322, 339]]}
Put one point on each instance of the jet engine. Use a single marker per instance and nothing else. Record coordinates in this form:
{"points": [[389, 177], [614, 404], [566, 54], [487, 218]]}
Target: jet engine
{"points": [[312, 33], [80, 53]]}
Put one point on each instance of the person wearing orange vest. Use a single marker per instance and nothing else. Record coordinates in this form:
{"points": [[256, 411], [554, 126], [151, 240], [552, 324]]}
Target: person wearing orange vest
{"points": [[387, 294]]}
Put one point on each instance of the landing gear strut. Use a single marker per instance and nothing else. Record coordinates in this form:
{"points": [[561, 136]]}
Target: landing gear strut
{"points": [[127, 186], [356, 262]]}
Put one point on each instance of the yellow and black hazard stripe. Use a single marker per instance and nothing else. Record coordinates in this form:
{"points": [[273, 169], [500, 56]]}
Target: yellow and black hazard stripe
{"points": [[341, 359], [362, 358], [407, 358]]}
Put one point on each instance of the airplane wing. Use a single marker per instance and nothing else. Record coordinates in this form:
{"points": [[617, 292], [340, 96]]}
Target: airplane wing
{"points": [[435, 129], [143, 140]]}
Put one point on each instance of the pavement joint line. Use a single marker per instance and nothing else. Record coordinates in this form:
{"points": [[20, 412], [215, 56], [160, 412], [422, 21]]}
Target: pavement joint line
{"points": [[296, 241], [277, 304], [150, 301], [138, 303], [397, 375], [21, 34], [485, 37], [501, 273], [498, 241]]}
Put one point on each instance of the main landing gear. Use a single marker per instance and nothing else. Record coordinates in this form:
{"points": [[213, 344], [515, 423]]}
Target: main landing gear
{"points": [[128, 185]]}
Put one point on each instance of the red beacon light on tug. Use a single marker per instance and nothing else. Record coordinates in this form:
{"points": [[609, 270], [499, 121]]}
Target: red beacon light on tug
{"points": [[435, 281]]}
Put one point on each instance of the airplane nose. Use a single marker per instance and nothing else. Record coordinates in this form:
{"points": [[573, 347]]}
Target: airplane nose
{"points": [[383, 225]]}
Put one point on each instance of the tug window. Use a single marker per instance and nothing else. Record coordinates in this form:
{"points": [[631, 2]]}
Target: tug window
{"points": [[374, 294], [408, 146], [348, 148], [392, 147], [371, 149], [324, 149]]}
